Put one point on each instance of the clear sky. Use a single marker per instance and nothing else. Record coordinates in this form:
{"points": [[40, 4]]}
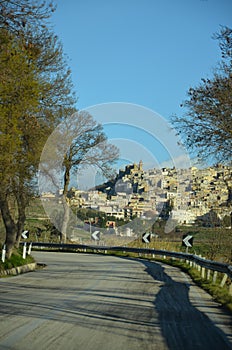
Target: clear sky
{"points": [[142, 52]]}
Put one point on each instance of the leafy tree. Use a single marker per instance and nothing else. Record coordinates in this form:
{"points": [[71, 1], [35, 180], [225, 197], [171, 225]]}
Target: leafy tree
{"points": [[19, 90], [206, 127], [36, 92]]}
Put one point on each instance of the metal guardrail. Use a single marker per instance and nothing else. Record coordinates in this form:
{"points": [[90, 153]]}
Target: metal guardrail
{"points": [[207, 264]]}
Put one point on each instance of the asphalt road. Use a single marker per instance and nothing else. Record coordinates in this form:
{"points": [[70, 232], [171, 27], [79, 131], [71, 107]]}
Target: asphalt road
{"points": [[96, 302]]}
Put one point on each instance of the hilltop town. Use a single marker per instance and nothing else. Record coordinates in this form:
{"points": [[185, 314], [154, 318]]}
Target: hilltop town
{"points": [[189, 196]]}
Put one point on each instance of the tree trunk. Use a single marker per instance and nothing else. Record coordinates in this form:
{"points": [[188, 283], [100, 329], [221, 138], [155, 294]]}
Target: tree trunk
{"points": [[10, 226], [65, 220], [20, 225], [21, 202]]}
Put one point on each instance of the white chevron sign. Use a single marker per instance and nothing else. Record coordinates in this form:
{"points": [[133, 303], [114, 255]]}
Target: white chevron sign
{"points": [[25, 234], [188, 240], [96, 235], [146, 237]]}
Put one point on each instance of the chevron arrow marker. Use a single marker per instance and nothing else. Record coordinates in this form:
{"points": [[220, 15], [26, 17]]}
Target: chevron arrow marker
{"points": [[146, 237], [96, 235], [25, 234], [188, 241]]}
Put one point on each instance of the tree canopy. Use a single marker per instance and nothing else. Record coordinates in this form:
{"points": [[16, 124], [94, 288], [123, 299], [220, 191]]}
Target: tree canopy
{"points": [[206, 127], [36, 92], [36, 97]]}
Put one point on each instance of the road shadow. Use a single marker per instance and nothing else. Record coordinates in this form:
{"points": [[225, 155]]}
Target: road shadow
{"points": [[115, 300], [183, 326]]}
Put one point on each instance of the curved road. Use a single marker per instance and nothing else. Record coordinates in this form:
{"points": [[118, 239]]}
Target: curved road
{"points": [[96, 302]]}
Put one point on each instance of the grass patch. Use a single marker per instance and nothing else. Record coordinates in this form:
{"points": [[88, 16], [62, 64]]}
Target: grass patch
{"points": [[16, 260]]}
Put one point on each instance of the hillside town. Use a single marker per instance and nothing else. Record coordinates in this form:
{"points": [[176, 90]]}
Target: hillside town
{"points": [[189, 196]]}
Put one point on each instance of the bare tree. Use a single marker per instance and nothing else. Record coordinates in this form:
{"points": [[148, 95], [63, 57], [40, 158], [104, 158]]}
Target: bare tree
{"points": [[78, 142], [206, 126]]}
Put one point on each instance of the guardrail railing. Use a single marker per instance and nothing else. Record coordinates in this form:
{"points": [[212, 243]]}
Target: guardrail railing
{"points": [[203, 265]]}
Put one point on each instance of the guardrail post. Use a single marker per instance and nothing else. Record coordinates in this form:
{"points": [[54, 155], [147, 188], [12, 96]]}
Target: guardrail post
{"points": [[29, 249], [230, 288], [214, 277], [24, 250], [223, 280], [3, 253], [203, 272], [208, 275]]}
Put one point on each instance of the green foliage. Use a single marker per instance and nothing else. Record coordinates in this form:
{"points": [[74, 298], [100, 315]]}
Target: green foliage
{"points": [[85, 214], [98, 218], [35, 94], [226, 221], [16, 260], [19, 91]]}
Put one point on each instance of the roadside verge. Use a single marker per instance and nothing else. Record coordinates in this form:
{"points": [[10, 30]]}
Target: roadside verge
{"points": [[21, 269]]}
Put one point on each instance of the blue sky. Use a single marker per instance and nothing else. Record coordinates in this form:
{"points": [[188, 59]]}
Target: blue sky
{"points": [[142, 52]]}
